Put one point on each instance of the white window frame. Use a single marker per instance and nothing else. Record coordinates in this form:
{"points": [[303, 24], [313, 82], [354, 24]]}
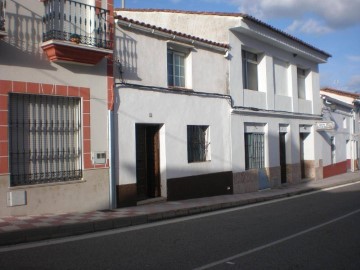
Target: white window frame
{"points": [[301, 83], [249, 58], [171, 69]]}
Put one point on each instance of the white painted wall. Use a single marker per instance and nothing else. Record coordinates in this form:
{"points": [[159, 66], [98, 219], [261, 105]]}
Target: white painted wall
{"points": [[272, 123], [144, 61], [174, 112], [284, 99], [341, 135], [192, 24]]}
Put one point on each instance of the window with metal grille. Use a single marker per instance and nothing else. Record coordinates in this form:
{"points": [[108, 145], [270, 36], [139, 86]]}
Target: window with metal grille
{"points": [[333, 149], [45, 139], [254, 151], [176, 68], [198, 143], [250, 74]]}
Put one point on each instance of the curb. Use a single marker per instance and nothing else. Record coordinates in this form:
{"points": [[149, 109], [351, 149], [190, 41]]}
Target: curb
{"points": [[47, 233]]}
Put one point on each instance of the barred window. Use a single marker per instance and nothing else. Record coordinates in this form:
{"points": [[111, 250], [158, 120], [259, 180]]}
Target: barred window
{"points": [[45, 139], [198, 143], [254, 151]]}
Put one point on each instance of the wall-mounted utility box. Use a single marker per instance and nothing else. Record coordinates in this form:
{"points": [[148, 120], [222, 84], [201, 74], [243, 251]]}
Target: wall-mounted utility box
{"points": [[16, 198], [99, 157]]}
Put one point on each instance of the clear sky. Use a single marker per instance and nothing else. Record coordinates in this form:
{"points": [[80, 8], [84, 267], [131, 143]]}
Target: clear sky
{"points": [[330, 25]]}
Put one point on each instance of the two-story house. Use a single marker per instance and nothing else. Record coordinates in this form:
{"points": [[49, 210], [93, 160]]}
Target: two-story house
{"points": [[55, 96], [341, 142], [226, 85]]}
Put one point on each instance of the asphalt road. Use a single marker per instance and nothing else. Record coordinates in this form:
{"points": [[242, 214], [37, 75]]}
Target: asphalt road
{"points": [[317, 231]]}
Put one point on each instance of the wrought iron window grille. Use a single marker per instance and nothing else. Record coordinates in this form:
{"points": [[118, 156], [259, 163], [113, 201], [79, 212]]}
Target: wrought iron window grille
{"points": [[198, 143], [254, 151], [44, 138]]}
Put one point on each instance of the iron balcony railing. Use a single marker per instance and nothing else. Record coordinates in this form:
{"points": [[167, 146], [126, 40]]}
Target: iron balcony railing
{"points": [[76, 21], [2, 14]]}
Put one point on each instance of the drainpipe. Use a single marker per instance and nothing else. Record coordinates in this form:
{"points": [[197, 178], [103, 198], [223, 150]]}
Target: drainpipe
{"points": [[112, 184]]}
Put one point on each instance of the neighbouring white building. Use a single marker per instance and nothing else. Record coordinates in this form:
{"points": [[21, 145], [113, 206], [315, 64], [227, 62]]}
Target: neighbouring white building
{"points": [[152, 105], [341, 143], [212, 103], [55, 97]]}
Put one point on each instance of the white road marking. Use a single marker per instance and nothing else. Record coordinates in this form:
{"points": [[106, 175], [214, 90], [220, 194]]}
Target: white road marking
{"points": [[155, 224], [237, 256]]}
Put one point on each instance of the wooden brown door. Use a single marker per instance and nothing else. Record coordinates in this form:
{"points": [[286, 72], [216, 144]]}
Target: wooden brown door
{"points": [[147, 161]]}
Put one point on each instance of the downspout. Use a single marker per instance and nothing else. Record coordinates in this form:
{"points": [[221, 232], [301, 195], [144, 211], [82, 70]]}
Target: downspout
{"points": [[111, 123], [112, 184]]}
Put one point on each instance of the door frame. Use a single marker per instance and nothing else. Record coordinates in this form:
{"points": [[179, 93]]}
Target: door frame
{"points": [[151, 171]]}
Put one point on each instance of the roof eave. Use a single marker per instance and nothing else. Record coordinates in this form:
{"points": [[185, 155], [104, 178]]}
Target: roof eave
{"points": [[173, 35], [302, 50]]}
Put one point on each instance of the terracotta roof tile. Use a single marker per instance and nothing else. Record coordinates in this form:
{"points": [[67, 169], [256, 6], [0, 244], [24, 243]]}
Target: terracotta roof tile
{"points": [[229, 14], [150, 26], [341, 93]]}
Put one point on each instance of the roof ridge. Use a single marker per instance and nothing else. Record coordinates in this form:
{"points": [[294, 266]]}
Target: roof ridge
{"points": [[150, 26], [230, 14]]}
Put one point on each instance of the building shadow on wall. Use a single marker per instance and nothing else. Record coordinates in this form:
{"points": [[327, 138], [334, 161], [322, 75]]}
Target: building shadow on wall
{"points": [[126, 57], [21, 47]]}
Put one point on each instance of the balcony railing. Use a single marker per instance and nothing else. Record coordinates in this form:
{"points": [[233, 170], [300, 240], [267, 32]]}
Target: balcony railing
{"points": [[2, 14], [65, 19]]}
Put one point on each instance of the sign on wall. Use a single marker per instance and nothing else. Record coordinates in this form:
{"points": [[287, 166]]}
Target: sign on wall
{"points": [[325, 125]]}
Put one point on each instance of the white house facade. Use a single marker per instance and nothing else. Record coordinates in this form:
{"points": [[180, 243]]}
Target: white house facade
{"points": [[252, 90], [172, 115], [341, 142]]}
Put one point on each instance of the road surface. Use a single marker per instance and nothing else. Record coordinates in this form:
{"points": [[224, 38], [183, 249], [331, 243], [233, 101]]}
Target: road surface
{"points": [[313, 231]]}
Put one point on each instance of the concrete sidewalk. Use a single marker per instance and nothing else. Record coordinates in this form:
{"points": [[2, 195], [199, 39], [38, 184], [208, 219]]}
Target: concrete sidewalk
{"points": [[15, 230]]}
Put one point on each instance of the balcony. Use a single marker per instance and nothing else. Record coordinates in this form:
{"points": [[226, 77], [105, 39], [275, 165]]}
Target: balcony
{"points": [[2, 18], [75, 32]]}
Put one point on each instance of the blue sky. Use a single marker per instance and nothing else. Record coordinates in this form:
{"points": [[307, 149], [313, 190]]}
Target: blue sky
{"points": [[330, 25]]}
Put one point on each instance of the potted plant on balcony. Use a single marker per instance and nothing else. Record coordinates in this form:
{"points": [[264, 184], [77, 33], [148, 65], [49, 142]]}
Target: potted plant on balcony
{"points": [[75, 38]]}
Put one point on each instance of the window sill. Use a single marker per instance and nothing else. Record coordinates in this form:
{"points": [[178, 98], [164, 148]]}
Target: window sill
{"points": [[255, 90], [197, 162], [180, 88]]}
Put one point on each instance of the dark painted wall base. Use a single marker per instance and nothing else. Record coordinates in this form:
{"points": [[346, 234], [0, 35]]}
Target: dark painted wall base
{"points": [[335, 169], [126, 195], [200, 186]]}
